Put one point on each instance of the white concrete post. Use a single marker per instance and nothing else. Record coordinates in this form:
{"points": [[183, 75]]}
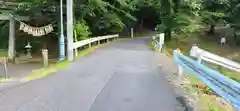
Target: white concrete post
{"points": [[45, 57], [193, 51], [180, 70], [76, 52], [11, 41], [69, 30], [4, 62], [161, 42], [99, 42], [75, 40], [89, 45], [131, 32]]}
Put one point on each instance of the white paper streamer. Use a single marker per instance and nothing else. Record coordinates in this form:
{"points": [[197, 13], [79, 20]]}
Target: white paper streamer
{"points": [[36, 31]]}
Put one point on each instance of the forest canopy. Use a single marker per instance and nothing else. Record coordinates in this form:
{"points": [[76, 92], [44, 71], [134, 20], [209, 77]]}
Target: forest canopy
{"points": [[101, 17]]}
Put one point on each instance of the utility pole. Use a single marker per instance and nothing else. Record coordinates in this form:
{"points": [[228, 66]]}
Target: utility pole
{"points": [[69, 30], [61, 38]]}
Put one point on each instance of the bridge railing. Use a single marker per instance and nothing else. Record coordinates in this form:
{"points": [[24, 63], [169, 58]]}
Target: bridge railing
{"points": [[94, 39], [82, 43], [225, 87], [158, 41]]}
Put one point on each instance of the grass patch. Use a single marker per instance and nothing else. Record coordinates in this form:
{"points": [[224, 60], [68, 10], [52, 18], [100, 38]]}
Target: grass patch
{"points": [[4, 79], [40, 73], [2, 53], [205, 101], [151, 45]]}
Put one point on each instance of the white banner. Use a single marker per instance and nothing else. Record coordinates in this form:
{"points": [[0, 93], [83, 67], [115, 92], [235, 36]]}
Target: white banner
{"points": [[36, 31]]}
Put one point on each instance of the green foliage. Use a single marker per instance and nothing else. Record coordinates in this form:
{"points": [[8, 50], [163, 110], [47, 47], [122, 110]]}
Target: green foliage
{"points": [[179, 17], [185, 23], [161, 28], [81, 31], [211, 18], [106, 17], [213, 108], [232, 19], [3, 36], [103, 17]]}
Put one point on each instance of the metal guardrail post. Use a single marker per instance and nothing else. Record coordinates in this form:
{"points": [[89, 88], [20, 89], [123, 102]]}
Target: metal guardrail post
{"points": [[179, 67], [179, 70]]}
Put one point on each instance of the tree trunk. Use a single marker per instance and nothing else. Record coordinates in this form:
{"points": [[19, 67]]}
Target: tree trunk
{"points": [[168, 34], [212, 29], [141, 24]]}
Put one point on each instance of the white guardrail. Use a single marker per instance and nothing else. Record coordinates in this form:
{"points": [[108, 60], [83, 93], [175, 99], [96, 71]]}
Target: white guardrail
{"points": [[210, 57], [158, 41], [94, 39]]}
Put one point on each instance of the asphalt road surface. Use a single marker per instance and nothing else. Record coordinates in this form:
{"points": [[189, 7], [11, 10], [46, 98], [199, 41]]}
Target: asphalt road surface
{"points": [[120, 76]]}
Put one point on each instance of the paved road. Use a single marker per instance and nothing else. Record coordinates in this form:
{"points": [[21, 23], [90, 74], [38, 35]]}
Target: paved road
{"points": [[120, 76]]}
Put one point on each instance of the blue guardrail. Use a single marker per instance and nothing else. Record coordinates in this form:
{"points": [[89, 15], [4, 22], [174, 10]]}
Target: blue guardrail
{"points": [[225, 87]]}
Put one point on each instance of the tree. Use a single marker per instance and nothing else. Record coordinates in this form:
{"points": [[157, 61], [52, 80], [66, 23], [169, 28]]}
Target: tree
{"points": [[179, 16], [148, 13], [233, 19], [213, 11], [105, 17]]}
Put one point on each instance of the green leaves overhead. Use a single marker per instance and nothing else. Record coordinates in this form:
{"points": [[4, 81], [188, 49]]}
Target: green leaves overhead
{"points": [[180, 16], [105, 16], [81, 31], [100, 17]]}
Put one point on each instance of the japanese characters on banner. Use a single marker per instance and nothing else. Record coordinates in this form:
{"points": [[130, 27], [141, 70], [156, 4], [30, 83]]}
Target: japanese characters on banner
{"points": [[36, 31]]}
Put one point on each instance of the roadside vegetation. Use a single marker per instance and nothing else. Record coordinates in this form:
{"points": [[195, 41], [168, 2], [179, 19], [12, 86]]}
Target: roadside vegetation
{"points": [[40, 73], [207, 100]]}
